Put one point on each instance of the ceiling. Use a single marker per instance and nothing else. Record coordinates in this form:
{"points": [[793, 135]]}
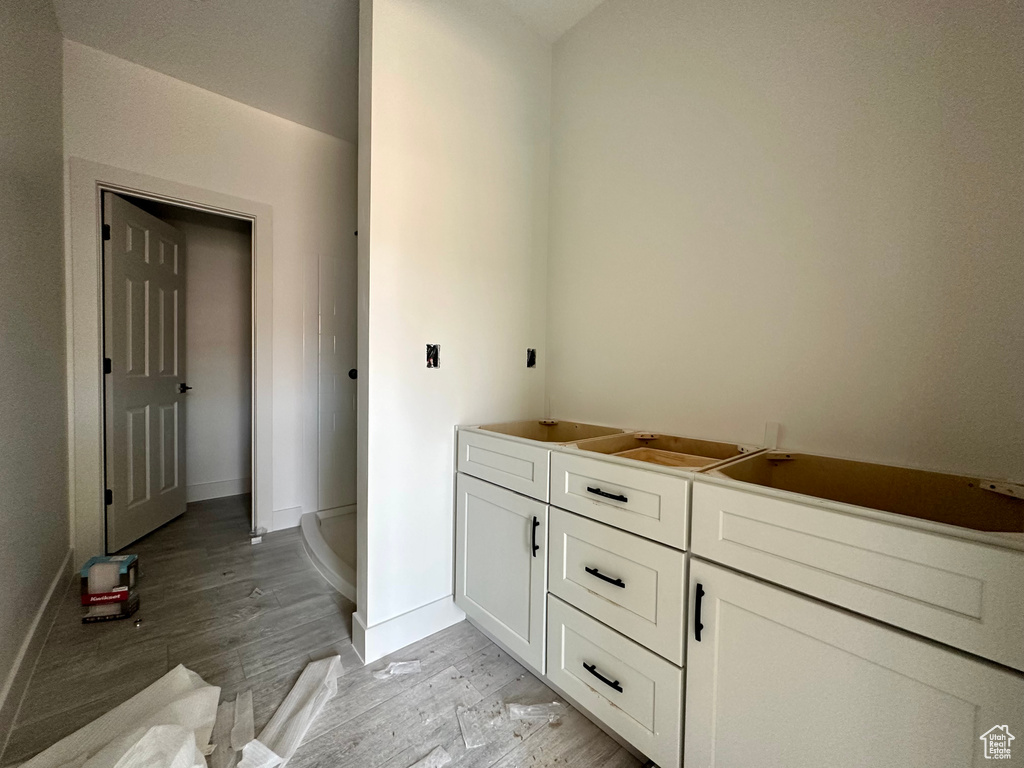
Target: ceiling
{"points": [[551, 18], [294, 58], [298, 59]]}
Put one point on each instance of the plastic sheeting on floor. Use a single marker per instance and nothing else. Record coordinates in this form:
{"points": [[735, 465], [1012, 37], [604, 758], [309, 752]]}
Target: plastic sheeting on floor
{"points": [[167, 725], [283, 734], [170, 724]]}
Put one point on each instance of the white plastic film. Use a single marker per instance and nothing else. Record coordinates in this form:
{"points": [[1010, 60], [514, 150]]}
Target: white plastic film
{"points": [[398, 668], [243, 731], [256, 755], [180, 698], [438, 758], [315, 686], [168, 746], [222, 755], [551, 712], [478, 725]]}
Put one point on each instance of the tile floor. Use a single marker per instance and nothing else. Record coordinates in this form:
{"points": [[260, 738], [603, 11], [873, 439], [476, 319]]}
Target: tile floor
{"points": [[198, 574]]}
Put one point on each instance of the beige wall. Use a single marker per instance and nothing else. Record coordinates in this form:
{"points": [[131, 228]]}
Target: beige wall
{"points": [[804, 212], [453, 234], [124, 115], [33, 420]]}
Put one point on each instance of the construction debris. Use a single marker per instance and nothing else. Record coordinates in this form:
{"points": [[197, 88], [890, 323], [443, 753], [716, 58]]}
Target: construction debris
{"points": [[478, 725], [438, 758], [551, 712], [166, 725], [177, 723], [398, 668], [283, 734], [256, 755], [222, 755], [243, 730]]}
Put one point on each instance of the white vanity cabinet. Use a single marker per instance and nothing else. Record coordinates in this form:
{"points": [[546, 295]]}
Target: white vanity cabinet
{"points": [[777, 680], [501, 565], [684, 571]]}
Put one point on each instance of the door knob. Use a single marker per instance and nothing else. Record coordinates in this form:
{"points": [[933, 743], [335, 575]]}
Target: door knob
{"points": [[183, 388]]}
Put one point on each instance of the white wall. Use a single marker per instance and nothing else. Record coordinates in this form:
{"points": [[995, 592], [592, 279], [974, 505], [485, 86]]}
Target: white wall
{"points": [[124, 115], [33, 422], [453, 233], [218, 356], [806, 212]]}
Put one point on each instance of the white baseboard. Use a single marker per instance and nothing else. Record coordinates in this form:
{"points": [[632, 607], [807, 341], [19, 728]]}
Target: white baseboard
{"points": [[372, 643], [218, 489], [323, 514], [286, 518], [24, 663]]}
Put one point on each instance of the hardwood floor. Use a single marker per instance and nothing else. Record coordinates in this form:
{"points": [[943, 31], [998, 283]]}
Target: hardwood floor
{"points": [[198, 608]]}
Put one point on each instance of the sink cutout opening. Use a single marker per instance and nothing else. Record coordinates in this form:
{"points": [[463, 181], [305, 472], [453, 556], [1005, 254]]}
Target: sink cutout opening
{"points": [[665, 450], [551, 430], [934, 496]]}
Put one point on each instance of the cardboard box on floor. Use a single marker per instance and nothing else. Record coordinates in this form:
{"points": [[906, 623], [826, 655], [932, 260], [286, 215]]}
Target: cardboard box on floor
{"points": [[109, 587]]}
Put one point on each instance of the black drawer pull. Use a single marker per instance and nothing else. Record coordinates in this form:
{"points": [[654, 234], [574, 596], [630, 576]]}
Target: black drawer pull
{"points": [[536, 546], [612, 496], [697, 626], [602, 577], [592, 669]]}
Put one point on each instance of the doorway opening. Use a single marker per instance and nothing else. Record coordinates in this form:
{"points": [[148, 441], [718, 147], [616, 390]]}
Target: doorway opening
{"points": [[178, 384]]}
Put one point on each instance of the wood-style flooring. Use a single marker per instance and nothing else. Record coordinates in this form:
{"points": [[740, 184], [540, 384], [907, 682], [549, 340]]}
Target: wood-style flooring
{"points": [[198, 608]]}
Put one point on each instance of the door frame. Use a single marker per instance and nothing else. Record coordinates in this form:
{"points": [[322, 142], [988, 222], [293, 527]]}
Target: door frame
{"points": [[84, 319]]}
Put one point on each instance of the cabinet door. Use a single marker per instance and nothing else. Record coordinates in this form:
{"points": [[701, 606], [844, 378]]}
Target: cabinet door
{"points": [[782, 681], [500, 566]]}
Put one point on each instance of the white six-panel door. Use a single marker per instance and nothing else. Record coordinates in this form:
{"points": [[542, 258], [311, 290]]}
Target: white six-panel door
{"points": [[782, 681], [144, 338], [500, 567]]}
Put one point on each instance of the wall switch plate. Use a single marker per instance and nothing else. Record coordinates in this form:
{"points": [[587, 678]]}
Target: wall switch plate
{"points": [[531, 358], [433, 355]]}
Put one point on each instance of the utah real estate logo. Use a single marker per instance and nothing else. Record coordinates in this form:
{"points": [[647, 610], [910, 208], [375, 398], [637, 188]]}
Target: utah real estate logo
{"points": [[997, 742]]}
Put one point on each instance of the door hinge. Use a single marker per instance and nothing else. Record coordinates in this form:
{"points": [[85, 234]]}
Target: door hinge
{"points": [[106, 231], [108, 497], [108, 367]]}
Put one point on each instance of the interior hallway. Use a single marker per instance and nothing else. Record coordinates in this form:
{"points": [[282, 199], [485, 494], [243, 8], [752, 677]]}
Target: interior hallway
{"points": [[198, 576]]}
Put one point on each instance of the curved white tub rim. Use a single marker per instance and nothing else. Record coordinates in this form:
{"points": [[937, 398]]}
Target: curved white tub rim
{"points": [[335, 571]]}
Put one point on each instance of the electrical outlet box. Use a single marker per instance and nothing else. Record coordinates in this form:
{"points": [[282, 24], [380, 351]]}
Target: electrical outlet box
{"points": [[433, 355]]}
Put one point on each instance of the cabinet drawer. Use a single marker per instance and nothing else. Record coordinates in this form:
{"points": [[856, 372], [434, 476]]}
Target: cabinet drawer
{"points": [[634, 692], [962, 593], [629, 583], [517, 466], [650, 504]]}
